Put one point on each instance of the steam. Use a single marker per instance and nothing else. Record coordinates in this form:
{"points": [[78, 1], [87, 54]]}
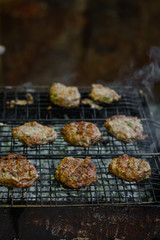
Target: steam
{"points": [[147, 78], [66, 79], [149, 75]]}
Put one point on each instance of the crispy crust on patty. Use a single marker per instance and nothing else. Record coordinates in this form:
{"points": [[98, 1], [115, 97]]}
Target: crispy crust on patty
{"points": [[76, 172], [64, 96], [125, 128], [33, 133], [82, 133], [130, 168], [104, 94], [17, 171]]}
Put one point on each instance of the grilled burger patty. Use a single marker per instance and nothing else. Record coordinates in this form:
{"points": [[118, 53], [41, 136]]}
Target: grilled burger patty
{"points": [[64, 96], [81, 134], [17, 171], [76, 172], [103, 94], [33, 133], [125, 128], [130, 168]]}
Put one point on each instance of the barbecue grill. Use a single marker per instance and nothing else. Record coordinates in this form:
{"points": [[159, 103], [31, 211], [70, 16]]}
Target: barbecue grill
{"points": [[47, 206]]}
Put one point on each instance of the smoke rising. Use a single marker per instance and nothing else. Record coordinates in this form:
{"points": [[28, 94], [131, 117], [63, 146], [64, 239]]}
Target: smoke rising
{"points": [[148, 76]]}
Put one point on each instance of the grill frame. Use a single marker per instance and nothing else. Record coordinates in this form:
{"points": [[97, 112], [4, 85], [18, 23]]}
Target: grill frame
{"points": [[132, 101]]}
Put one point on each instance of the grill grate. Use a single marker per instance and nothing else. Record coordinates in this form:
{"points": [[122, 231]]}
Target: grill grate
{"points": [[109, 189]]}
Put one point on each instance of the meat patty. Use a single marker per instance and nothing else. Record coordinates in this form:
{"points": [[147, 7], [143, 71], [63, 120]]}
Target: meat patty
{"points": [[103, 94], [82, 134], [125, 128], [64, 96], [33, 133], [17, 171], [130, 168], [76, 172]]}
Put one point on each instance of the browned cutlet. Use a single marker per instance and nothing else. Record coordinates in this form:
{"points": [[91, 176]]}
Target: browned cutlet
{"points": [[76, 172], [33, 133], [64, 96], [82, 134], [16, 171], [125, 128], [104, 94], [130, 168]]}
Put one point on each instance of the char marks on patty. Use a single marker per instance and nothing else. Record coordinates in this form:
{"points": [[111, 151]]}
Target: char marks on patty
{"points": [[82, 133], [17, 171], [76, 172]]}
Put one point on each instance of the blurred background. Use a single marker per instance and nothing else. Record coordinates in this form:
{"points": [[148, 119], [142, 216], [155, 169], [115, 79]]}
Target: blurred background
{"points": [[79, 42]]}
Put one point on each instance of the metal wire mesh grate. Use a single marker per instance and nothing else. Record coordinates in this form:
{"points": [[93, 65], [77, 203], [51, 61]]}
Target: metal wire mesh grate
{"points": [[108, 189]]}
